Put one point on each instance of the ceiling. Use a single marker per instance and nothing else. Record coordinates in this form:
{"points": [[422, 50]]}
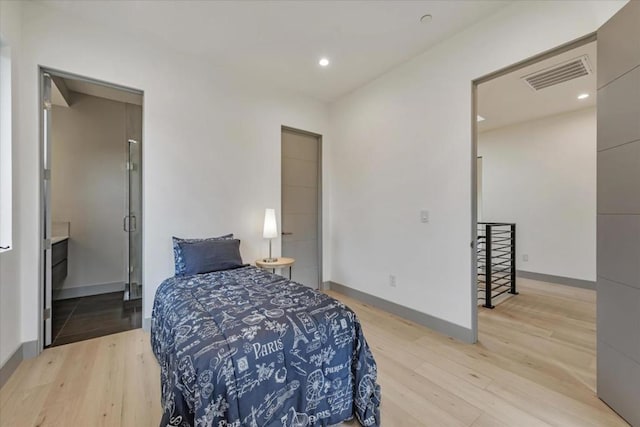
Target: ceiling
{"points": [[508, 99], [64, 90], [280, 42]]}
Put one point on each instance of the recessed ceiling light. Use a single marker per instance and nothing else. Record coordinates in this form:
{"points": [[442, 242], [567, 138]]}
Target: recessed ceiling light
{"points": [[426, 18], [323, 62], [479, 118], [583, 96]]}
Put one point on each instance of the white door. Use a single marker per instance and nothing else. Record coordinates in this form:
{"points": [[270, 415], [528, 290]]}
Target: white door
{"points": [[618, 288], [46, 200], [300, 205]]}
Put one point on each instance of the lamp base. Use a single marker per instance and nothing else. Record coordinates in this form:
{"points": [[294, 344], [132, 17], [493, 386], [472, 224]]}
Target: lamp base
{"points": [[270, 259]]}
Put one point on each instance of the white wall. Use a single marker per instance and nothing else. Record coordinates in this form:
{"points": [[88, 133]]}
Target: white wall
{"points": [[88, 179], [211, 157], [10, 325], [403, 143], [541, 175]]}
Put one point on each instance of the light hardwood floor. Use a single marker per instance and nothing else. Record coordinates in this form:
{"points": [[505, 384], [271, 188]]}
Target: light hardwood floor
{"points": [[533, 366]]}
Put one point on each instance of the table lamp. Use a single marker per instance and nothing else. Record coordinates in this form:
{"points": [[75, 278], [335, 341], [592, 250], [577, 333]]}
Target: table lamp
{"points": [[270, 230]]}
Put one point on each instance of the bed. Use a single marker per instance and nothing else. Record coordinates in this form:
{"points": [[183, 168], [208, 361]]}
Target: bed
{"points": [[245, 347]]}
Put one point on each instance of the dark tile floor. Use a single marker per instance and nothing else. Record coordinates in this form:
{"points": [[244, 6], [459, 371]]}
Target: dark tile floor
{"points": [[94, 316]]}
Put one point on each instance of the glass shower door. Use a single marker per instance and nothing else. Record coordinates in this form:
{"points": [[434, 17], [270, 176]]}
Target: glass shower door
{"points": [[132, 223], [133, 218]]}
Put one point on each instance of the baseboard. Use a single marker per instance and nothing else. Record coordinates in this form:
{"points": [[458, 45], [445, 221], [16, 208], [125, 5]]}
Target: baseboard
{"points": [[29, 349], [10, 365], [561, 280], [439, 325], [146, 324], [26, 350], [85, 291]]}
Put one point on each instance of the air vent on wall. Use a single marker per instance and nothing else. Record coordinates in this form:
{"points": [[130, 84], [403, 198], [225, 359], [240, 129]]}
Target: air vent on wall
{"points": [[558, 73]]}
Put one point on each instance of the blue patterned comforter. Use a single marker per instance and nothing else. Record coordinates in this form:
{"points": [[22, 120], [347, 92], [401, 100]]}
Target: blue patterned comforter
{"points": [[245, 347]]}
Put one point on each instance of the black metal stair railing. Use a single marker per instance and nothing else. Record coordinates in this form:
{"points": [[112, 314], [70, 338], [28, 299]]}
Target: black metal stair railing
{"points": [[496, 260]]}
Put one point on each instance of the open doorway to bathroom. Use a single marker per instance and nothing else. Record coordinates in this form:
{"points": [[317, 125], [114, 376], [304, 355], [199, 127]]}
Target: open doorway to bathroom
{"points": [[91, 136]]}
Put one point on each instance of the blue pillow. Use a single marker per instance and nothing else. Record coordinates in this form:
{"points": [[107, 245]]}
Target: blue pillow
{"points": [[177, 251], [211, 255]]}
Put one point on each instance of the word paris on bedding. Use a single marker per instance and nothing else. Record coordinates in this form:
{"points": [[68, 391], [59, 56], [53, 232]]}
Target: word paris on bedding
{"points": [[245, 347]]}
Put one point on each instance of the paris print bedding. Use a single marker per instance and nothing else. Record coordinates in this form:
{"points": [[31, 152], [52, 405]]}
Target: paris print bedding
{"points": [[245, 347]]}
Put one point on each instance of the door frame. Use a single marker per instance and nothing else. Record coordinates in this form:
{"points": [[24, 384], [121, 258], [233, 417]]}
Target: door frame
{"points": [[42, 152], [283, 128], [479, 183], [591, 37]]}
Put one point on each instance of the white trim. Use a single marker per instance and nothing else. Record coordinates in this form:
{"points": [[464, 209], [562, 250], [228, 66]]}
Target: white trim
{"points": [[146, 324], [6, 142]]}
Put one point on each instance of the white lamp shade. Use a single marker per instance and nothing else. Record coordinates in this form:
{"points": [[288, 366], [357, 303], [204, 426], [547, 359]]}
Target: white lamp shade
{"points": [[270, 226]]}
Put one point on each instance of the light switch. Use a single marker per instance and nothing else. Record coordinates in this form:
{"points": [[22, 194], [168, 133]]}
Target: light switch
{"points": [[424, 216]]}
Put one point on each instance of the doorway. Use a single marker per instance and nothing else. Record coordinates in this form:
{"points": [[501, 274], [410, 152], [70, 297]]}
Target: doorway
{"points": [[617, 377], [302, 204], [537, 139], [91, 142], [536, 193], [548, 81]]}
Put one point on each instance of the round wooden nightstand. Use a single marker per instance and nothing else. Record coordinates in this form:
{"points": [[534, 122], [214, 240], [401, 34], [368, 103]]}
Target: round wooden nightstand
{"points": [[281, 262]]}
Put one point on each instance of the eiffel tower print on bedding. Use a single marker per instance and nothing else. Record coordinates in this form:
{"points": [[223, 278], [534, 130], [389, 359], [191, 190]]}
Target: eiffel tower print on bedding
{"points": [[246, 347]]}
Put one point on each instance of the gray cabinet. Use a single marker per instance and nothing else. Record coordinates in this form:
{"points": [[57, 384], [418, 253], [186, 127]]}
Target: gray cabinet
{"points": [[59, 253]]}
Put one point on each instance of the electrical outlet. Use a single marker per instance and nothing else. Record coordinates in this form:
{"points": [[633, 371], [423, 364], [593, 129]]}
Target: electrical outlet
{"points": [[392, 281], [525, 257], [424, 216]]}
